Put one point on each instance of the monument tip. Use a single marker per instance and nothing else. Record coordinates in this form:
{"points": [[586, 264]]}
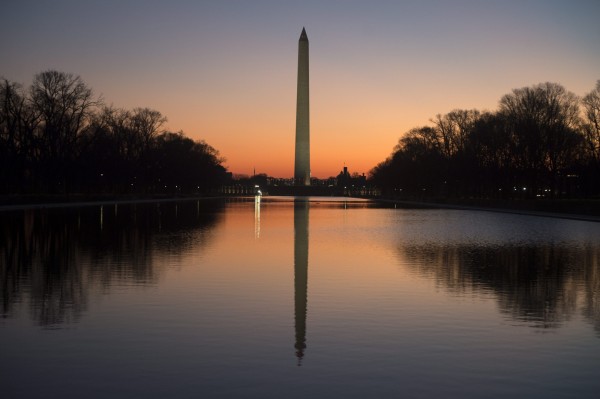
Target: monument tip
{"points": [[303, 35]]}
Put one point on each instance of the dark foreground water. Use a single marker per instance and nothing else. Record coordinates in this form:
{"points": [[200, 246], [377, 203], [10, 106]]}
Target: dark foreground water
{"points": [[296, 299]]}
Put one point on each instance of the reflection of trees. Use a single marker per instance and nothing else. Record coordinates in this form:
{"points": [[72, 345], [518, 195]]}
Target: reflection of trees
{"points": [[540, 285], [51, 259], [591, 278]]}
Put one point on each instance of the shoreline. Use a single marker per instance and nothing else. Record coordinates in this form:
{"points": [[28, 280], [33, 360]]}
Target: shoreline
{"points": [[511, 207], [81, 202], [514, 211]]}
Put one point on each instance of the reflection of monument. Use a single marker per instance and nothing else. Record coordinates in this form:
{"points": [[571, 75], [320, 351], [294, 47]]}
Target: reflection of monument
{"points": [[302, 163], [257, 216], [300, 274]]}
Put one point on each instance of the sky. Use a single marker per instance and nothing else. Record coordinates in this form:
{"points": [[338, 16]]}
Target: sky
{"points": [[225, 71]]}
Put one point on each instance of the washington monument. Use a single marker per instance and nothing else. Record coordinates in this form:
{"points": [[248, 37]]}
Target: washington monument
{"points": [[302, 163]]}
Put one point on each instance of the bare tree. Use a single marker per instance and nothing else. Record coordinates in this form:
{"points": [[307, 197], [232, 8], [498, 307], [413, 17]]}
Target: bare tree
{"points": [[543, 120], [65, 106], [147, 123], [116, 124], [454, 129], [17, 142], [591, 122], [420, 140]]}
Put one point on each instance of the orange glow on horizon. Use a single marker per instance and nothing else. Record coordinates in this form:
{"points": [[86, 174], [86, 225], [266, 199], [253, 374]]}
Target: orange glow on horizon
{"points": [[227, 73]]}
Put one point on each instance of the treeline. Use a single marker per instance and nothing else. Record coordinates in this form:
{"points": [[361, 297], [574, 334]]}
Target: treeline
{"points": [[57, 137], [543, 141]]}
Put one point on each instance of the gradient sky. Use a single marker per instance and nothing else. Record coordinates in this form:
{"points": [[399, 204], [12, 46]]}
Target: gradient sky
{"points": [[225, 71]]}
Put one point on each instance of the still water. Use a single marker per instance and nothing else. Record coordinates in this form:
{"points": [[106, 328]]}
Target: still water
{"points": [[312, 297]]}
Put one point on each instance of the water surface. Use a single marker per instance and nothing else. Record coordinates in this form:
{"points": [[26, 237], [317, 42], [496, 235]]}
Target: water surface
{"points": [[283, 298]]}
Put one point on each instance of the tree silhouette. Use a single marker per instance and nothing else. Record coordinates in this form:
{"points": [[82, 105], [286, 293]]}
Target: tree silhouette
{"points": [[64, 106], [591, 130], [537, 144], [543, 121], [57, 137], [18, 143]]}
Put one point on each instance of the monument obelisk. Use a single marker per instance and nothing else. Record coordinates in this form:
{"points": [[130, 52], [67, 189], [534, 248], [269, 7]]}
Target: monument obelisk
{"points": [[302, 162]]}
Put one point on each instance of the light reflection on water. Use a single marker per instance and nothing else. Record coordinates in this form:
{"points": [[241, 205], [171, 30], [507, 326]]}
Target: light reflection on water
{"points": [[229, 298]]}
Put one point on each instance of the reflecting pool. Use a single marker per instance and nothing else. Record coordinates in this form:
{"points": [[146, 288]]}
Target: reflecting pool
{"points": [[308, 297]]}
